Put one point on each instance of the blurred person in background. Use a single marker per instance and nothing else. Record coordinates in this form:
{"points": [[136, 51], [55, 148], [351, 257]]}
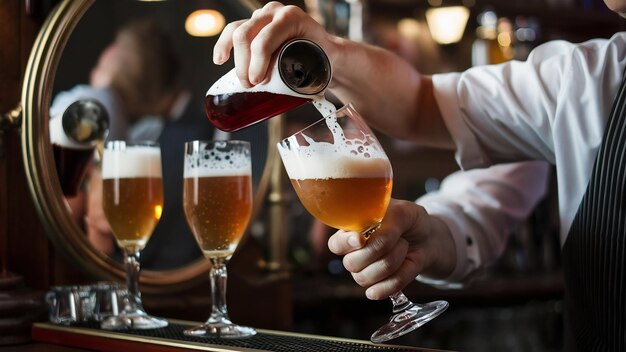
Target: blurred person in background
{"points": [[137, 80]]}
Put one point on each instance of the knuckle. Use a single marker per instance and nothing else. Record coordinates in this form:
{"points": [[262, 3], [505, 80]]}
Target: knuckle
{"points": [[288, 12], [349, 264], [231, 26], [394, 284], [387, 263], [378, 244], [259, 47], [241, 35], [273, 5], [360, 279]]}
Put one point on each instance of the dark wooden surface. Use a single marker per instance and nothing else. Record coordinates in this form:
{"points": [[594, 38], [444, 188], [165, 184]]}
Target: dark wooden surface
{"points": [[39, 347]]}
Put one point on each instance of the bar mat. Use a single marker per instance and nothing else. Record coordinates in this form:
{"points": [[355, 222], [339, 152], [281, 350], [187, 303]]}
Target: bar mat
{"points": [[171, 338]]}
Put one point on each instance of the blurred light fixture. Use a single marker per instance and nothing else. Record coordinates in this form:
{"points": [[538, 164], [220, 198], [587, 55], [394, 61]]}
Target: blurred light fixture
{"points": [[409, 28], [447, 24], [204, 23]]}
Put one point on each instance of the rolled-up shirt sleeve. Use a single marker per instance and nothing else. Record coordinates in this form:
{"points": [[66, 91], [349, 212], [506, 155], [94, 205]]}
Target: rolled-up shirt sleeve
{"points": [[552, 107]]}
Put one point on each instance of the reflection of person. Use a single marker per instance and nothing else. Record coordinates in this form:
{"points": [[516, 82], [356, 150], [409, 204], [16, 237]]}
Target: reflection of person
{"points": [[556, 106], [136, 78]]}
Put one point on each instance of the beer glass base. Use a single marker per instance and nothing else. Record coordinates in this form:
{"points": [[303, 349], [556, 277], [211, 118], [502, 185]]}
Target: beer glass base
{"points": [[408, 320], [231, 331], [133, 321]]}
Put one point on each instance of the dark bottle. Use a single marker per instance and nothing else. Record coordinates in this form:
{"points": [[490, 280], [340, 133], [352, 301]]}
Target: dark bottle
{"points": [[301, 74], [74, 136]]}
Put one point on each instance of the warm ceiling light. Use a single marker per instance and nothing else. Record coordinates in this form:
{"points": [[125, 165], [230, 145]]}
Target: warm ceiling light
{"points": [[409, 28], [204, 23], [447, 24]]}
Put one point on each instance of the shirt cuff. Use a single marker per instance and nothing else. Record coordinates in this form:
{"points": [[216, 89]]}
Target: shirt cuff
{"points": [[467, 253], [469, 153]]}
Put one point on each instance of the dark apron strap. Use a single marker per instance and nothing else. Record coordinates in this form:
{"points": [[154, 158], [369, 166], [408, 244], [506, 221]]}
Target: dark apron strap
{"points": [[594, 254]]}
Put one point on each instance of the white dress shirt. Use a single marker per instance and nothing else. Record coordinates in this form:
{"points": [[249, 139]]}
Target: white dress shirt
{"points": [[482, 207], [554, 107]]}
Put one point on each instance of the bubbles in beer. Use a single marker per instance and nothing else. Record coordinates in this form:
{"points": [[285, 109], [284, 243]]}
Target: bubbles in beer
{"points": [[216, 162]]}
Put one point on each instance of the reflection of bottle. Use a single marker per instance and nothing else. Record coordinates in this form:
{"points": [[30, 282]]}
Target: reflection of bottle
{"points": [[301, 74], [74, 136]]}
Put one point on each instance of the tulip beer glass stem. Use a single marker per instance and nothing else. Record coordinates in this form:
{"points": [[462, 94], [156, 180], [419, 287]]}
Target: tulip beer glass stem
{"points": [[219, 324], [132, 316], [217, 200], [343, 177], [131, 264]]}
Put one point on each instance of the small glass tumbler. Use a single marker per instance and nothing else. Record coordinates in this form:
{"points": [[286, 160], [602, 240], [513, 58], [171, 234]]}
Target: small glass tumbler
{"points": [[109, 300], [70, 304]]}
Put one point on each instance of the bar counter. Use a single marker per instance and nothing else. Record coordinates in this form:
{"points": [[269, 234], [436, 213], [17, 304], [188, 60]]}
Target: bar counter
{"points": [[59, 338]]}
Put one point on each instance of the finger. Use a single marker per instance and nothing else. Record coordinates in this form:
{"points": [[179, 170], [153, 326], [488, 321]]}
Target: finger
{"points": [[270, 38], [376, 247], [221, 50], [412, 218], [242, 40], [384, 267], [394, 283], [343, 242]]}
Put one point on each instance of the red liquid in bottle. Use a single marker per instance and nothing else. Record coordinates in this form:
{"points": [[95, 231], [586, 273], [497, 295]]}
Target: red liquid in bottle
{"points": [[231, 112]]}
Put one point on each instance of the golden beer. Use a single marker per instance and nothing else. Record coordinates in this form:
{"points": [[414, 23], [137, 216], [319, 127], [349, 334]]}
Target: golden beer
{"points": [[218, 209], [133, 207], [351, 204]]}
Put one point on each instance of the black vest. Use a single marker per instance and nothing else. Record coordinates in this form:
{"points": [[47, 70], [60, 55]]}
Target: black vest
{"points": [[594, 254]]}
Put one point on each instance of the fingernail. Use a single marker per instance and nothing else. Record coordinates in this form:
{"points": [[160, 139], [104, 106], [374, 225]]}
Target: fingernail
{"points": [[369, 293], [354, 242], [218, 59]]}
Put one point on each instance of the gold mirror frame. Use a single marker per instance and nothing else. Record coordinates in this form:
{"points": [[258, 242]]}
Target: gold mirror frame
{"points": [[40, 168]]}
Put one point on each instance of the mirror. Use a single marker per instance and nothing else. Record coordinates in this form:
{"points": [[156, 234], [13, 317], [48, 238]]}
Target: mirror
{"points": [[71, 43]]}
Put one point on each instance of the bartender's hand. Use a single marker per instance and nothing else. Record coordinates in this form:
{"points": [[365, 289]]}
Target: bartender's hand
{"points": [[408, 243], [254, 40]]}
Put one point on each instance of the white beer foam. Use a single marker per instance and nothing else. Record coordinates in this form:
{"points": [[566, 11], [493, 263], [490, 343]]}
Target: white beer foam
{"points": [[334, 160], [212, 163], [230, 84], [58, 136], [132, 162]]}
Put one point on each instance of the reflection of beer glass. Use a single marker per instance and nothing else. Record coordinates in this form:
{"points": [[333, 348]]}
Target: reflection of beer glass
{"points": [[217, 199], [343, 177], [133, 200]]}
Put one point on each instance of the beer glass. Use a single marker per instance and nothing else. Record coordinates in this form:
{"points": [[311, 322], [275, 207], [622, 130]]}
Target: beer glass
{"points": [[343, 177], [132, 189], [217, 200]]}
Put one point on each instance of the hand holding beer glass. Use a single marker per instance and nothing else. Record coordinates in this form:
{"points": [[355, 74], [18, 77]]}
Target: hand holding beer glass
{"points": [[132, 189], [217, 199], [343, 177]]}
